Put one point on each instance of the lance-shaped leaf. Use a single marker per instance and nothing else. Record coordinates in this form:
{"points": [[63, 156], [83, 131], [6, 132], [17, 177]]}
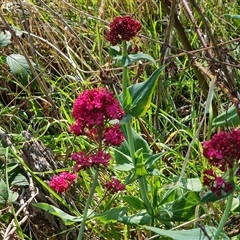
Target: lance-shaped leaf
{"points": [[112, 215], [191, 234], [136, 219], [67, 218], [228, 118], [141, 95], [132, 58]]}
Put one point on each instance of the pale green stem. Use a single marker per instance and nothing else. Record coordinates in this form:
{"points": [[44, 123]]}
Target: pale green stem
{"points": [[142, 180], [85, 212], [131, 142], [124, 95], [125, 74], [226, 212]]}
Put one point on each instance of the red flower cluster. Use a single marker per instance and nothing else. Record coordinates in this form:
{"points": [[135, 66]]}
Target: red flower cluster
{"points": [[84, 161], [216, 184], [93, 110], [122, 28], [115, 186], [61, 182], [96, 107], [113, 136], [223, 152]]}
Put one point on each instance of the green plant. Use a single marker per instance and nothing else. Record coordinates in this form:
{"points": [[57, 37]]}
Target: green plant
{"points": [[174, 100]]}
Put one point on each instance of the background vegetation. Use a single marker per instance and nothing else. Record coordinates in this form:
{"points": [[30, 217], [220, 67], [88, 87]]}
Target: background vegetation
{"points": [[52, 50]]}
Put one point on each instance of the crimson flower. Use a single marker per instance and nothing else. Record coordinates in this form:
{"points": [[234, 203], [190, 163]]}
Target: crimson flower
{"points": [[62, 182], [113, 136], [215, 183], [115, 186], [222, 150], [122, 28], [84, 161], [93, 109]]}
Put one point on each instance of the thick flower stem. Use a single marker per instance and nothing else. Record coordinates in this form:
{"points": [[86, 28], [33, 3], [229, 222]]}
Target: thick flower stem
{"points": [[124, 95], [224, 217], [142, 180], [125, 74], [226, 212], [85, 212], [130, 142]]}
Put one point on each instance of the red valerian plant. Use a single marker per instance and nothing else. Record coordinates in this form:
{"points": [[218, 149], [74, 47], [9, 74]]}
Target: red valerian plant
{"points": [[122, 28], [93, 110], [223, 152]]}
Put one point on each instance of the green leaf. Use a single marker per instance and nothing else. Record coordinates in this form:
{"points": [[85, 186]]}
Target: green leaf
{"points": [[122, 153], [140, 169], [153, 171], [127, 104], [192, 184], [236, 204], [132, 58], [228, 118], [112, 215], [181, 209], [235, 18], [122, 158], [6, 217], [17, 177], [150, 161], [193, 234], [174, 190], [212, 197], [67, 219], [3, 191], [12, 196], [123, 167], [114, 51], [5, 38], [140, 165], [20, 68], [134, 202], [141, 95], [136, 219], [127, 118], [139, 143]]}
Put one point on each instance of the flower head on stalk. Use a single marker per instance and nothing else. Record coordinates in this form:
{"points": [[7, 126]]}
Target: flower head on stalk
{"points": [[115, 186], [84, 161], [215, 183], [122, 28], [60, 183], [223, 152], [93, 110], [113, 136]]}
